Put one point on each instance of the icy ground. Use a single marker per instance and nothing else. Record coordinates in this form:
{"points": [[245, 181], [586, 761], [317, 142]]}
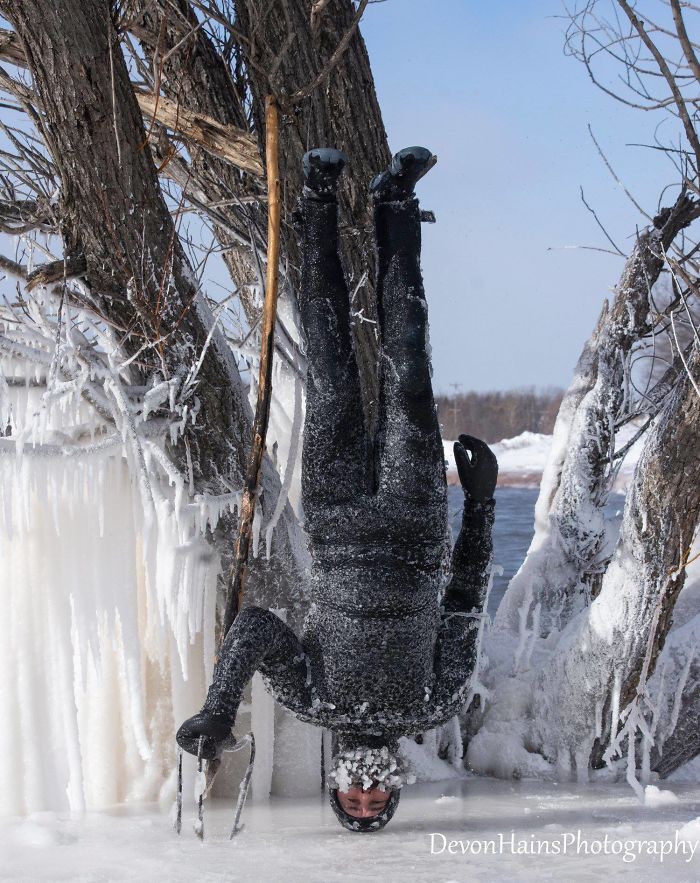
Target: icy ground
{"points": [[299, 840]]}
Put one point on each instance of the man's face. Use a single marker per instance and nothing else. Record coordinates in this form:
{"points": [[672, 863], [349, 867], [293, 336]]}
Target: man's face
{"points": [[363, 804]]}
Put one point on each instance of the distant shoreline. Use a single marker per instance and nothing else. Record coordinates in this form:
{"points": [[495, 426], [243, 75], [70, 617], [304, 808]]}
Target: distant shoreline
{"points": [[506, 479], [521, 460]]}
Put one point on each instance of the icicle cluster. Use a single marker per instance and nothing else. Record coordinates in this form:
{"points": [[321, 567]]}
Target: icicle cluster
{"points": [[107, 580]]}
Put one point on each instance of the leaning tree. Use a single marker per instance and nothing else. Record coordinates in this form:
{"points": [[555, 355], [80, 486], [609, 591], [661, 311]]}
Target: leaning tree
{"points": [[580, 634], [147, 110]]}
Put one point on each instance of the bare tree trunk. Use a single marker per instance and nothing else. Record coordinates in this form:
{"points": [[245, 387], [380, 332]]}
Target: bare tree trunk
{"points": [[684, 743], [193, 74], [565, 562], [284, 54], [114, 217]]}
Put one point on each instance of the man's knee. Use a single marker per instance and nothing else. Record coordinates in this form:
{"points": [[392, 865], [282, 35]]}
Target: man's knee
{"points": [[255, 618]]}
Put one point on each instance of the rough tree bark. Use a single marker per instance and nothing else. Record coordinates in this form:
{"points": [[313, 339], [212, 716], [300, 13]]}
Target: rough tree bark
{"points": [[675, 698], [564, 565], [114, 217], [684, 742], [286, 48]]}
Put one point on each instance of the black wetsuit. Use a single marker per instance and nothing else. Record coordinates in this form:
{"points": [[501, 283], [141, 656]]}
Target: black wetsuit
{"points": [[378, 657]]}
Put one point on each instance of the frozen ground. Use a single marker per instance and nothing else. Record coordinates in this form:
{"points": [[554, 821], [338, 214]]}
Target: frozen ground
{"points": [[299, 840]]}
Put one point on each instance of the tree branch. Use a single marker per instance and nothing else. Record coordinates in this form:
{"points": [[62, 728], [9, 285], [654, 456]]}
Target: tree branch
{"points": [[226, 142], [690, 132], [686, 45]]}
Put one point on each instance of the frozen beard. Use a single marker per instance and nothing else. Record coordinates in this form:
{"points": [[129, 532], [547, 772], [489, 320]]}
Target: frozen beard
{"points": [[368, 767]]}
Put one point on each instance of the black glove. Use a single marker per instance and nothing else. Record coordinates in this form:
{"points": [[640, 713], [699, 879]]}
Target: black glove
{"points": [[215, 731], [479, 473]]}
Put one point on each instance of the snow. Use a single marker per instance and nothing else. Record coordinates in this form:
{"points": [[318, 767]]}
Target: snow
{"points": [[655, 797], [522, 459], [480, 829], [691, 830]]}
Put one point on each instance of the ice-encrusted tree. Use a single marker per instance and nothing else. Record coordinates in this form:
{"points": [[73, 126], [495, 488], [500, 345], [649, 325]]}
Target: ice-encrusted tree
{"points": [[579, 637]]}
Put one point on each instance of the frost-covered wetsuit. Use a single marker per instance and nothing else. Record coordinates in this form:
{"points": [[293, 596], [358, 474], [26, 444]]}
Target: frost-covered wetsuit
{"points": [[377, 658]]}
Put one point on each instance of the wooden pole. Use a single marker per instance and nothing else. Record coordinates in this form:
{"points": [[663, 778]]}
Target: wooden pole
{"points": [[239, 567]]}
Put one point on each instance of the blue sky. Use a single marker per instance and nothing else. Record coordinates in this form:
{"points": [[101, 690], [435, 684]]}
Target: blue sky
{"points": [[485, 84]]}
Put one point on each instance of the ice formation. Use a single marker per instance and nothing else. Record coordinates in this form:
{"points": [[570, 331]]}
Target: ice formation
{"points": [[107, 602], [107, 578]]}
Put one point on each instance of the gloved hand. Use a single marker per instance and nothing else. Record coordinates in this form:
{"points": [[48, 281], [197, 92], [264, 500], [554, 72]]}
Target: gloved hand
{"points": [[216, 732], [478, 473]]}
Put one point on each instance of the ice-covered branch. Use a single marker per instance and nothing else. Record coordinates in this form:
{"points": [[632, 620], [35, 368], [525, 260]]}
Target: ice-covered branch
{"points": [[562, 571]]}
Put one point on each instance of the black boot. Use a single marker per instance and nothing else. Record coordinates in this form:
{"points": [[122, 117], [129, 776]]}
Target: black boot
{"points": [[397, 181], [322, 168]]}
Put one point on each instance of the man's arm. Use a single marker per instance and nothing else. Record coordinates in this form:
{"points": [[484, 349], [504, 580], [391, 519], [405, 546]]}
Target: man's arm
{"points": [[257, 641], [463, 604], [471, 558]]}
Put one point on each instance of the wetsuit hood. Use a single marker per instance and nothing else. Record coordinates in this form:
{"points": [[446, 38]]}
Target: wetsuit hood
{"points": [[364, 826], [368, 760]]}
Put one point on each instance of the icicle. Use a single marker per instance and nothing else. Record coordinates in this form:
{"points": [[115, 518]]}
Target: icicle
{"points": [[615, 706], [257, 523]]}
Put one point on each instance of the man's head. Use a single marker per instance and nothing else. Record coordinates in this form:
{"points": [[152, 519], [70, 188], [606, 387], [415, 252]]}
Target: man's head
{"points": [[364, 811], [361, 804], [365, 783]]}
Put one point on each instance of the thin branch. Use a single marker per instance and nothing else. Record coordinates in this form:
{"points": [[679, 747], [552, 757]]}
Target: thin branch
{"points": [[12, 267], [686, 45], [599, 223], [690, 132], [617, 179]]}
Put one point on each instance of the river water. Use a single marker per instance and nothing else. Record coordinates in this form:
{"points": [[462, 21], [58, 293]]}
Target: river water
{"points": [[513, 529]]}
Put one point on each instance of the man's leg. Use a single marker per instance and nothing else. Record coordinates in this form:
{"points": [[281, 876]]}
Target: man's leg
{"points": [[334, 460], [411, 458], [257, 641]]}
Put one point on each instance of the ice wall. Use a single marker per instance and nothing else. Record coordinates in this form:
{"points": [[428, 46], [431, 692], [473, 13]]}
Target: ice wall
{"points": [[104, 603]]}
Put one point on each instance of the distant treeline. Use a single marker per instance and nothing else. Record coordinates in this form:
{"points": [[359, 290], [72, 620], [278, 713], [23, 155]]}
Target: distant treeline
{"points": [[497, 415]]}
